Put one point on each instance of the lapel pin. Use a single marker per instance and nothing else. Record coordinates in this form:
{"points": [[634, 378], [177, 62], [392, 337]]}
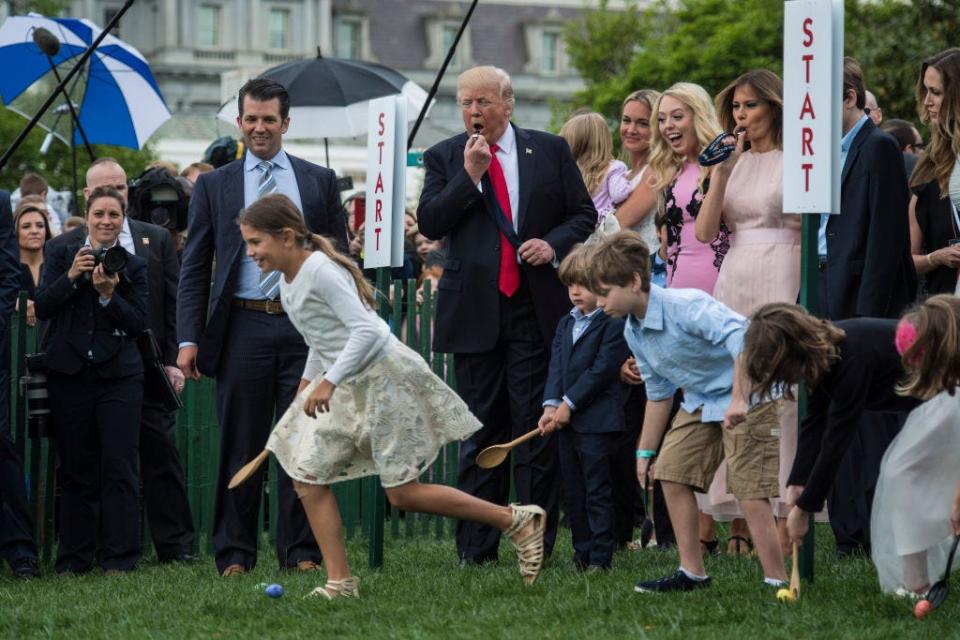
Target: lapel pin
{"points": [[529, 151], [146, 240]]}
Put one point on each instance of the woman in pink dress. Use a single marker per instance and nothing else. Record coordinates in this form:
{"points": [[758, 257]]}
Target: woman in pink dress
{"points": [[686, 123], [763, 263]]}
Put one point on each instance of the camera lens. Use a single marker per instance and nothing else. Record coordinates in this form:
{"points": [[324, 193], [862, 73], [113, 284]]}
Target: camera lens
{"points": [[114, 259], [160, 216]]}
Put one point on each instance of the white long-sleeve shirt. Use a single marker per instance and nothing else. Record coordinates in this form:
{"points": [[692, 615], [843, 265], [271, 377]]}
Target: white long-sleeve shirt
{"points": [[343, 334]]}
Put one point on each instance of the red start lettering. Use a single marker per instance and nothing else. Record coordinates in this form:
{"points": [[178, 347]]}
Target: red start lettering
{"points": [[382, 127], [378, 215], [376, 233], [807, 58], [806, 140], [380, 151], [806, 166], [807, 23], [379, 187], [807, 108]]}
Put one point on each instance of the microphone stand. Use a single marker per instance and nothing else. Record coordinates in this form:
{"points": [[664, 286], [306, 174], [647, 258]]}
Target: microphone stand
{"points": [[440, 74], [70, 75]]}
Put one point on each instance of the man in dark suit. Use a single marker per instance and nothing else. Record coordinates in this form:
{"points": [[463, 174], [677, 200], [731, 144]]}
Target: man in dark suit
{"points": [[164, 489], [16, 526], [511, 203], [866, 270], [246, 340]]}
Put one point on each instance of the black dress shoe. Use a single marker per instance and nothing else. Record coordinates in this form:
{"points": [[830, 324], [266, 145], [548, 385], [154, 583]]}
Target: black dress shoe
{"points": [[25, 569]]}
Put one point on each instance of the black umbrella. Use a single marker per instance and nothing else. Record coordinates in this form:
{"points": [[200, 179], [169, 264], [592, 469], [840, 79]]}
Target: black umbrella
{"points": [[329, 97]]}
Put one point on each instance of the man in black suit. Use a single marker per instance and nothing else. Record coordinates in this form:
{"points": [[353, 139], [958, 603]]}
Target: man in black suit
{"points": [[511, 203], [246, 340], [16, 526], [164, 489], [866, 270]]}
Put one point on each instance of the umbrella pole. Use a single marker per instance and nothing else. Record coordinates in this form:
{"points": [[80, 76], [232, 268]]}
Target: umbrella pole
{"points": [[73, 149], [73, 72], [76, 120], [440, 74]]}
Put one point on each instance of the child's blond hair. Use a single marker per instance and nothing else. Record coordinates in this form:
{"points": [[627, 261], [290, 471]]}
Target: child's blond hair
{"points": [[933, 360], [591, 143], [575, 268], [617, 261]]}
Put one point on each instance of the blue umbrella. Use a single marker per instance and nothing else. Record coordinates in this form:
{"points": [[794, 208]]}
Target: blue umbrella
{"points": [[121, 105]]}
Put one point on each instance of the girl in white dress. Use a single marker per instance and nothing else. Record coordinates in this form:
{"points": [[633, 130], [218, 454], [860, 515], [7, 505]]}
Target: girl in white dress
{"points": [[913, 520], [367, 403]]}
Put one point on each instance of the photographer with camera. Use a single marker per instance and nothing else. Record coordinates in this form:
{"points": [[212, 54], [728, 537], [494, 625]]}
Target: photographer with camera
{"points": [[164, 488], [94, 293]]}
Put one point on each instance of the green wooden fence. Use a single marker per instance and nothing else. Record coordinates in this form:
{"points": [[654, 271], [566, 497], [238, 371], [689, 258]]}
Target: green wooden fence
{"points": [[362, 502]]}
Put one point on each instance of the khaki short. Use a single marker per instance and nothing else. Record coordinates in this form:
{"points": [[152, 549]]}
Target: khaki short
{"points": [[692, 450]]}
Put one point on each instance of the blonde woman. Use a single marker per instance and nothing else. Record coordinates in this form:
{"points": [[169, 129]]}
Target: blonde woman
{"points": [[591, 143], [686, 123], [638, 211]]}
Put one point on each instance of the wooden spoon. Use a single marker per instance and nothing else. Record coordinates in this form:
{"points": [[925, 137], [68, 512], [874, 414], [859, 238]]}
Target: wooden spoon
{"points": [[247, 470], [492, 456]]}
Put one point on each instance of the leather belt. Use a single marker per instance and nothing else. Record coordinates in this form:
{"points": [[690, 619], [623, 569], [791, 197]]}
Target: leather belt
{"points": [[270, 307]]}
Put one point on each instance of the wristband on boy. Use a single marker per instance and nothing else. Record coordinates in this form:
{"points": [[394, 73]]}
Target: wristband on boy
{"points": [[646, 453]]}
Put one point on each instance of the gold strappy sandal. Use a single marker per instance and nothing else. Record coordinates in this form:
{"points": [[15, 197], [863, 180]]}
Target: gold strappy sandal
{"points": [[346, 588], [530, 547]]}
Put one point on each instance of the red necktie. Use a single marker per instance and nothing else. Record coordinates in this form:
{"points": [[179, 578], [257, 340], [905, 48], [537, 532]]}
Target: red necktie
{"points": [[509, 280]]}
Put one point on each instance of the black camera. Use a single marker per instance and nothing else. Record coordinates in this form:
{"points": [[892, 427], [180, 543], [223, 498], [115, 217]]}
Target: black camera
{"points": [[113, 259], [33, 387], [158, 198]]}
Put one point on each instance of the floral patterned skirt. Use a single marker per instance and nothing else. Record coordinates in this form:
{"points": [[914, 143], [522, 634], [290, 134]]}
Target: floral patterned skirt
{"points": [[391, 420]]}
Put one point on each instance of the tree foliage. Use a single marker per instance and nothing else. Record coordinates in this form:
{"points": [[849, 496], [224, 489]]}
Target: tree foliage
{"points": [[711, 42]]}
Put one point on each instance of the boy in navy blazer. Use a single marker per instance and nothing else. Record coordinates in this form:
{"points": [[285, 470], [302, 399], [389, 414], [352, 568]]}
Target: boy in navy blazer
{"points": [[583, 399]]}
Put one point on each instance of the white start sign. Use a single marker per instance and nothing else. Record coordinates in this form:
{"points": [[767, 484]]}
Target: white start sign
{"points": [[386, 182], [812, 105]]}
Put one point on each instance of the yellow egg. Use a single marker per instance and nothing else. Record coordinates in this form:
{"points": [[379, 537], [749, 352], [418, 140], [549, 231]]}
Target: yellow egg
{"points": [[785, 595]]}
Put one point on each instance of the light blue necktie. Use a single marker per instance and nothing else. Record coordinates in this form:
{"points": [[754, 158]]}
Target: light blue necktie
{"points": [[269, 282]]}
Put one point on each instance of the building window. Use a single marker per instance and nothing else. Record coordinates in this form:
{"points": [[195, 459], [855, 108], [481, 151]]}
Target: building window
{"points": [[108, 14], [441, 33], [448, 33], [547, 56], [279, 29], [348, 38], [550, 49], [208, 25]]}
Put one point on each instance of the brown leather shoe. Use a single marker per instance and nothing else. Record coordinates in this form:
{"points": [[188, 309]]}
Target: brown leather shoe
{"points": [[234, 570], [307, 565]]}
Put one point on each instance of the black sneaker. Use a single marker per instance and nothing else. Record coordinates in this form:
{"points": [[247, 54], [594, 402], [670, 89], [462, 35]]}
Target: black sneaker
{"points": [[676, 582], [25, 569]]}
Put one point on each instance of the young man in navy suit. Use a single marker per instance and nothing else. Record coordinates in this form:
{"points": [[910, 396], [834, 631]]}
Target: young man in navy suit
{"points": [[510, 203], [583, 399], [866, 270], [237, 330]]}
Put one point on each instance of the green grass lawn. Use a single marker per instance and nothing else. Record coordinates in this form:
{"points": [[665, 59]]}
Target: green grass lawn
{"points": [[420, 593]]}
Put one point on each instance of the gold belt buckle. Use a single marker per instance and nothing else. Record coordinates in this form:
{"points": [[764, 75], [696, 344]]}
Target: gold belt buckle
{"points": [[273, 307]]}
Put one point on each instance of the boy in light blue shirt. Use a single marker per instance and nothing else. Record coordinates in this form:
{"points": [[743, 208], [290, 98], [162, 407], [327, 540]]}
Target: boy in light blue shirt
{"points": [[684, 339]]}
